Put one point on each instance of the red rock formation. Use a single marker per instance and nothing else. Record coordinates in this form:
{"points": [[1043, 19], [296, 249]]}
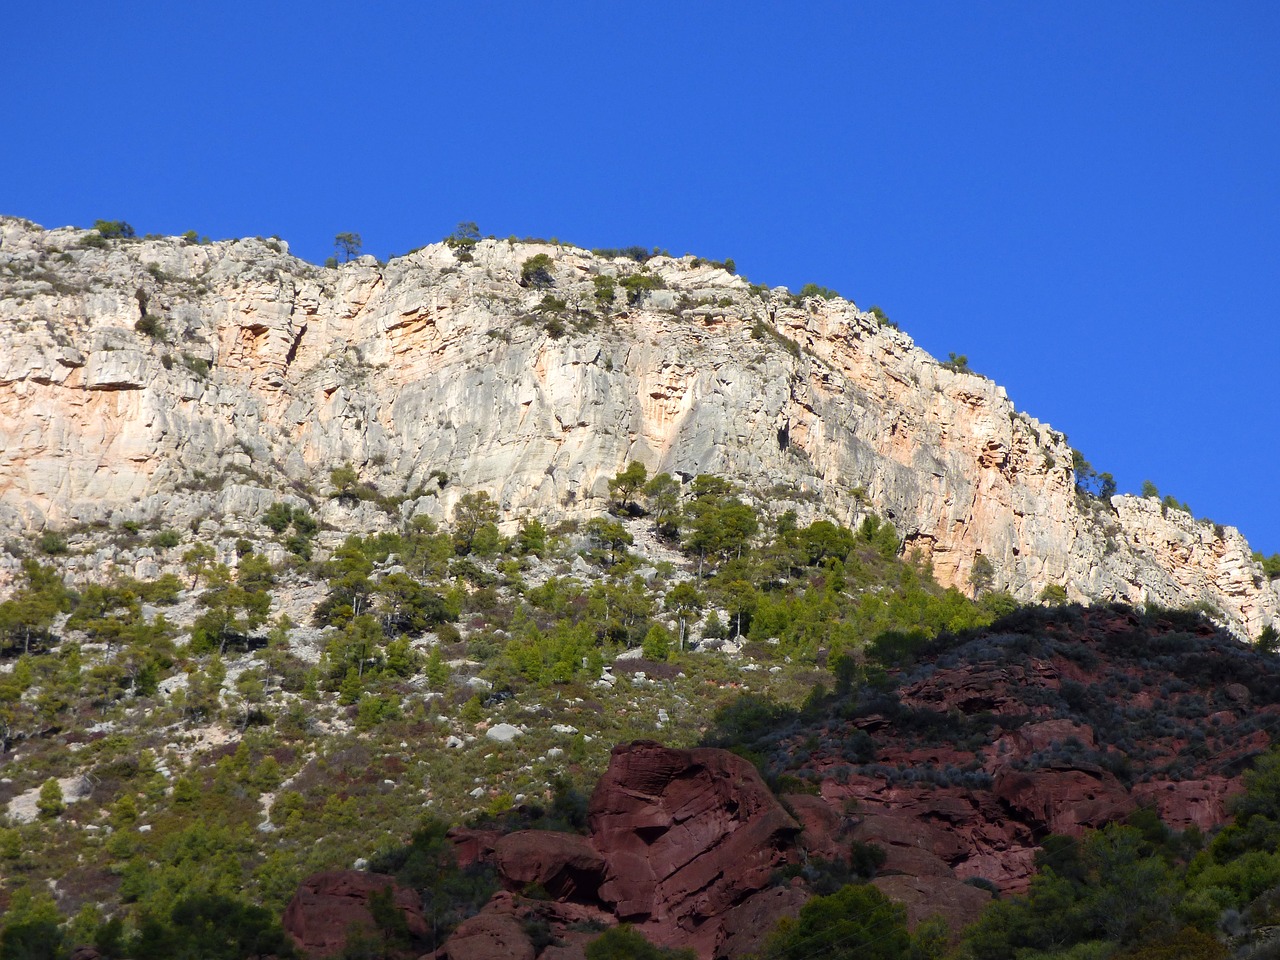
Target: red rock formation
{"points": [[935, 896], [566, 866], [1187, 803], [495, 933], [327, 906], [1065, 801], [686, 835]]}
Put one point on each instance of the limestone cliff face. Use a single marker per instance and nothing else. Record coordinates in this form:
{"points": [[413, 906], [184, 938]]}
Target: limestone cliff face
{"points": [[428, 371]]}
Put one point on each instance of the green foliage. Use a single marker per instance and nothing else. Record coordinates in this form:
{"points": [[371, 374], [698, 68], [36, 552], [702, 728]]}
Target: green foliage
{"points": [[685, 601], [232, 611], [626, 483], [536, 271], [463, 240], [1268, 640], [531, 539], [281, 518], [428, 863], [857, 922], [1111, 887], [657, 643], [347, 246], [211, 927], [606, 290], [638, 254], [611, 539], [982, 574], [50, 802], [1149, 490], [166, 539], [717, 523], [152, 326], [1053, 594], [344, 480], [1088, 481], [637, 285], [52, 543], [473, 515], [625, 942], [1270, 565], [1257, 812], [662, 496], [810, 290], [114, 229], [957, 363]]}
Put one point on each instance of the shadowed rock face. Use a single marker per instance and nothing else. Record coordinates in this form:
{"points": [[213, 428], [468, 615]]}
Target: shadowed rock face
{"points": [[1060, 722], [566, 866], [430, 364]]}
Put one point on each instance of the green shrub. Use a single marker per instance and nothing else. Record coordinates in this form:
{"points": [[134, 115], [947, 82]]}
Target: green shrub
{"points": [[536, 271], [153, 327], [114, 229], [50, 803], [639, 284], [52, 543]]}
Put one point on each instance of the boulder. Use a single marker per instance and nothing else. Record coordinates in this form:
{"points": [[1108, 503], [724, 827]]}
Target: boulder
{"points": [[503, 732], [1065, 800], [822, 825], [565, 865], [748, 925], [686, 835], [328, 906], [489, 935]]}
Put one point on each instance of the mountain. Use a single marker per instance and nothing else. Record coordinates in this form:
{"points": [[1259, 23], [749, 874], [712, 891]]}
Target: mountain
{"points": [[329, 594], [200, 382]]}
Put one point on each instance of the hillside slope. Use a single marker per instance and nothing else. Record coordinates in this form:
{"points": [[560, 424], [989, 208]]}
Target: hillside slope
{"points": [[436, 375]]}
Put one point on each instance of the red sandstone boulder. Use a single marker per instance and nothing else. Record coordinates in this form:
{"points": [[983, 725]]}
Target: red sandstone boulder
{"points": [[822, 824], [565, 865], [1186, 803], [686, 835], [1065, 801], [489, 936], [748, 925], [473, 846], [328, 906]]}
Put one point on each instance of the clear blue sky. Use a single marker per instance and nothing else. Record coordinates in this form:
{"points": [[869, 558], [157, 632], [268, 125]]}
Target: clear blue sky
{"points": [[1083, 198]]}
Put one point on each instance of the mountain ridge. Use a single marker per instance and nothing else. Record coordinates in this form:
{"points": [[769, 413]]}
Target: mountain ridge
{"points": [[162, 377]]}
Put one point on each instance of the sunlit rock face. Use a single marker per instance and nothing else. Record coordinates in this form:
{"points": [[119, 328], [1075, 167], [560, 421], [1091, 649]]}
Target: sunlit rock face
{"points": [[161, 378]]}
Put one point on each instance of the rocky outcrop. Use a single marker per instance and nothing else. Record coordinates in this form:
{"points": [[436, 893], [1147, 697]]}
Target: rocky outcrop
{"points": [[684, 844], [685, 835], [329, 906], [1067, 722], [262, 370], [939, 788], [565, 866]]}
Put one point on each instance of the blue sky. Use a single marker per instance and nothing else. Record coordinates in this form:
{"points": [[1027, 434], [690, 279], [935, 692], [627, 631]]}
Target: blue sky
{"points": [[1083, 198]]}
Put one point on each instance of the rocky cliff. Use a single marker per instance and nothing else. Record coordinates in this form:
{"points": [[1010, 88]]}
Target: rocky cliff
{"points": [[162, 379]]}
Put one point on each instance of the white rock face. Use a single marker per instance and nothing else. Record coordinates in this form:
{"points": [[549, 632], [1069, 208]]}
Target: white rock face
{"points": [[435, 378]]}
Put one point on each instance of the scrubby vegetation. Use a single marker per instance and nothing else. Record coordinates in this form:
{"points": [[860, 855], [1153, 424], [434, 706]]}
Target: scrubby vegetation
{"points": [[176, 749]]}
